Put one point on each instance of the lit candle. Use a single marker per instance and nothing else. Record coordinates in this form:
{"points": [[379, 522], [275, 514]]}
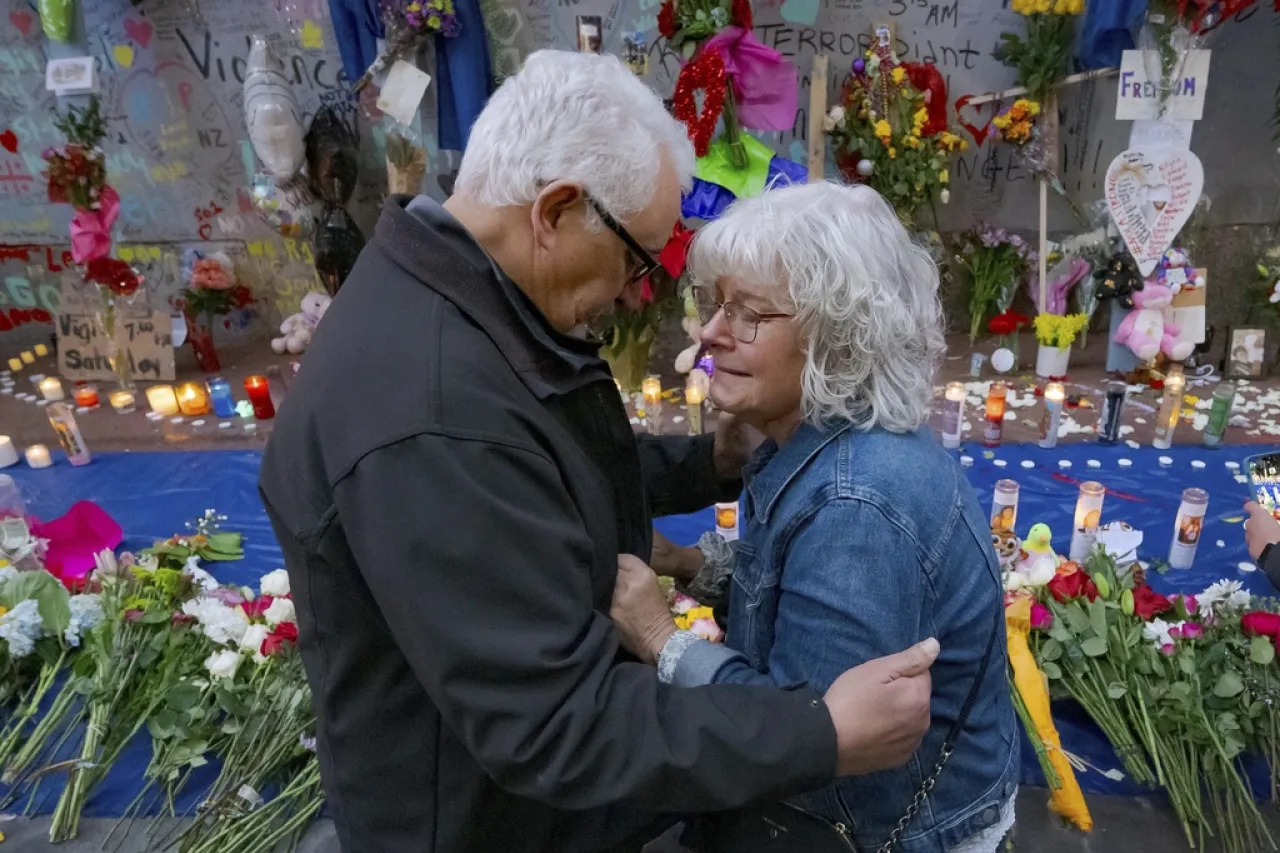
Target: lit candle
{"points": [[260, 396], [1055, 395], [41, 350], [163, 400], [38, 456], [993, 429], [223, 403], [1004, 506], [8, 455], [695, 392], [1188, 527], [1088, 516], [51, 388], [87, 396], [27, 357], [1170, 408], [952, 415], [727, 520], [651, 393], [192, 398], [63, 421], [122, 401], [15, 364]]}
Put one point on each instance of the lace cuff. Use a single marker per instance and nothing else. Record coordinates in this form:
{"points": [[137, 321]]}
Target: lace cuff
{"points": [[711, 584], [677, 644]]}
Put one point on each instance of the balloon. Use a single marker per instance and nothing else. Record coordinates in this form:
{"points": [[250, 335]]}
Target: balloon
{"points": [[338, 244], [292, 210], [332, 157], [859, 65], [271, 113], [865, 168], [1002, 360]]}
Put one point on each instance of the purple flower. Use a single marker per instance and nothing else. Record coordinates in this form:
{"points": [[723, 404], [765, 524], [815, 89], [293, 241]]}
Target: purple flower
{"points": [[450, 27], [707, 364], [228, 596]]}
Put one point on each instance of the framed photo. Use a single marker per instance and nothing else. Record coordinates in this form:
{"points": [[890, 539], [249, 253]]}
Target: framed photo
{"points": [[635, 52], [1246, 351], [590, 34]]}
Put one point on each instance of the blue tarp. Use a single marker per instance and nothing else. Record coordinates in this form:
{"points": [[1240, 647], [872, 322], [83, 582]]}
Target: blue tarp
{"points": [[152, 496]]}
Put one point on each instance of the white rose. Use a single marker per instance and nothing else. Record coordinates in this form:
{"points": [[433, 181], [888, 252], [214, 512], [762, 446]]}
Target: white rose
{"points": [[223, 664], [275, 584], [281, 610], [836, 114], [254, 637]]}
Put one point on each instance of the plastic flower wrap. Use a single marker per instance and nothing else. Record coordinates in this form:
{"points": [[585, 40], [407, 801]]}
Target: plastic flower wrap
{"points": [[408, 25], [1042, 56], [77, 172], [996, 260], [888, 132]]}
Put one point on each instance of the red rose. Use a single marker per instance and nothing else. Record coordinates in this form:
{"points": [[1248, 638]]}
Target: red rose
{"points": [[241, 296], [667, 20], [114, 274], [254, 609], [1261, 624], [742, 15], [1148, 603], [1090, 589], [285, 632], [1065, 587]]}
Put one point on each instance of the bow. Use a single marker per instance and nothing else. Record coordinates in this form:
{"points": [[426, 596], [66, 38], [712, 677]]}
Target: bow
{"points": [[91, 229], [764, 83]]}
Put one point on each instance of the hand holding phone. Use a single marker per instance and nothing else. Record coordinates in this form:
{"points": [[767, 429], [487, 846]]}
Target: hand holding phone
{"points": [[1264, 481]]}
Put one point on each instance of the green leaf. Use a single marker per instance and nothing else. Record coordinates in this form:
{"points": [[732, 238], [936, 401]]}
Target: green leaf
{"points": [[1051, 670], [1077, 619], [1116, 690], [1094, 647], [1229, 684], [155, 617], [1098, 616], [1261, 651], [1187, 664], [50, 596], [1050, 650], [226, 543], [183, 697], [1180, 690]]}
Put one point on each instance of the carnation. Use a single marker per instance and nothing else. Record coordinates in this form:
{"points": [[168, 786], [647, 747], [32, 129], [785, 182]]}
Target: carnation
{"points": [[281, 610], [275, 583], [221, 624], [252, 641], [223, 664]]}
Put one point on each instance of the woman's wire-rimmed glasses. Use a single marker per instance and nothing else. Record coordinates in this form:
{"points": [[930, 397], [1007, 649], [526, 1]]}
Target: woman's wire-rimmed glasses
{"points": [[744, 322]]}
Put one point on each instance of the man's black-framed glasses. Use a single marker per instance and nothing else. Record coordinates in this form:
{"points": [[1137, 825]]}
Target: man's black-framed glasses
{"points": [[744, 322], [640, 263]]}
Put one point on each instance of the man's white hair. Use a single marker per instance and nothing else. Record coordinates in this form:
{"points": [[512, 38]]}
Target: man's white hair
{"points": [[865, 296], [579, 117]]}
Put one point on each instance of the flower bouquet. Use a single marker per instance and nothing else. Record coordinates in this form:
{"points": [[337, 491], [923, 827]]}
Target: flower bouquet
{"points": [[887, 132], [77, 172], [1055, 333], [1171, 29], [408, 25], [406, 161], [1042, 56], [212, 291], [996, 261]]}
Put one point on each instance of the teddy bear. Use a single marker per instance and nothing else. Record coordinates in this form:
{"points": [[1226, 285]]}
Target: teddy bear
{"points": [[296, 330], [1148, 329]]}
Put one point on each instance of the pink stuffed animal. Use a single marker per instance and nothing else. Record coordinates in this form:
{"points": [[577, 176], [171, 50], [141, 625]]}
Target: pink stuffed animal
{"points": [[1147, 329]]}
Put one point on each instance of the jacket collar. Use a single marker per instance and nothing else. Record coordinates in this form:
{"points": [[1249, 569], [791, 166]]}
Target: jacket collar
{"points": [[433, 247], [773, 467]]}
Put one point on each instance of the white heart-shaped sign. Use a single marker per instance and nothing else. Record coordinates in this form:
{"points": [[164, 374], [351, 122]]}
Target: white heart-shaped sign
{"points": [[1151, 195]]}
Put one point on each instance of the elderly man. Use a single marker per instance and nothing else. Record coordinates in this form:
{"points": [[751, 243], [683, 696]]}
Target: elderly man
{"points": [[453, 480]]}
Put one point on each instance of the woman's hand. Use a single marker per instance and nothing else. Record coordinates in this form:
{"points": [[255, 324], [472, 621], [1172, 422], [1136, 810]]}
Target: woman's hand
{"points": [[640, 611], [670, 560], [1260, 530]]}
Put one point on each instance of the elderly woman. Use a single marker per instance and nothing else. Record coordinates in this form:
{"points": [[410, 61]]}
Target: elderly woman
{"points": [[860, 535]]}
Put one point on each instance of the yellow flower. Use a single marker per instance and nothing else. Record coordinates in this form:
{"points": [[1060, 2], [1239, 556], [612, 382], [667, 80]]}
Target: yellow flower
{"points": [[921, 116], [944, 177], [1043, 6], [3, 610], [883, 130], [899, 74], [1032, 108], [1077, 7], [893, 153]]}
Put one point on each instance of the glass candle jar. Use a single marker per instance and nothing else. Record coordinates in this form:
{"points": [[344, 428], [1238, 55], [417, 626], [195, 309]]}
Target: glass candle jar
{"points": [[1188, 527], [193, 399], [123, 401], [952, 415], [1055, 396], [1088, 517], [87, 396], [1170, 409], [163, 400], [63, 421], [260, 397], [1004, 505], [224, 405]]}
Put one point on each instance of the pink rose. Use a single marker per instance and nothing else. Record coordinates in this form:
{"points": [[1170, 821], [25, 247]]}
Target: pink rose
{"points": [[1041, 617]]}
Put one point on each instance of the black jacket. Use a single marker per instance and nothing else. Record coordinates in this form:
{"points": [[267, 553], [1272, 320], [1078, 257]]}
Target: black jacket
{"points": [[452, 482]]}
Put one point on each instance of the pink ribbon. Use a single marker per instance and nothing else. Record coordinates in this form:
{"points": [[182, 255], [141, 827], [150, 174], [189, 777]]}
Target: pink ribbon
{"points": [[91, 229], [75, 537], [764, 83]]}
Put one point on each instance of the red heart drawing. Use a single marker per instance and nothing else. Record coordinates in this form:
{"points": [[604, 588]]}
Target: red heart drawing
{"points": [[9, 140], [979, 134], [139, 31], [23, 21]]}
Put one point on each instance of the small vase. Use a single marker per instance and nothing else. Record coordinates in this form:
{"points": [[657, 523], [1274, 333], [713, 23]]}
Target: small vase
{"points": [[200, 334], [106, 320], [1051, 362]]}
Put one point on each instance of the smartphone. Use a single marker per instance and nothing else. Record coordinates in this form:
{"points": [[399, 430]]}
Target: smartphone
{"points": [[1264, 479]]}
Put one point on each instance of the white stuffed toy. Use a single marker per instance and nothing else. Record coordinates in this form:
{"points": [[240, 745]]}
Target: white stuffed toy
{"points": [[687, 357], [296, 330]]}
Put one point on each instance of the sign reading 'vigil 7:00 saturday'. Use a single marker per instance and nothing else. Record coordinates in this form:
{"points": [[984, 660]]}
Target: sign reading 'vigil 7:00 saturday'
{"points": [[144, 338]]}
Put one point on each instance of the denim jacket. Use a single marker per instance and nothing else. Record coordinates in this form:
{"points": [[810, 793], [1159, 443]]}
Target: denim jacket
{"points": [[857, 544]]}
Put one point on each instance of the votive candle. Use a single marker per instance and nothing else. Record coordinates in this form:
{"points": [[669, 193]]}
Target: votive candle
{"points": [[38, 456], [27, 357], [8, 455], [1055, 396], [993, 429], [1088, 516], [63, 421], [192, 398], [952, 415], [1188, 527], [260, 396], [693, 397], [727, 520], [220, 392], [123, 401], [87, 396], [1170, 408], [51, 389], [41, 350], [651, 393], [15, 364], [1004, 506], [162, 400]]}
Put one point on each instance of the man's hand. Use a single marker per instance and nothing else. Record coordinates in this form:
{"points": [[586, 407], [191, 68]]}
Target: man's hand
{"points": [[881, 710], [1261, 529], [670, 560], [735, 442], [639, 610]]}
